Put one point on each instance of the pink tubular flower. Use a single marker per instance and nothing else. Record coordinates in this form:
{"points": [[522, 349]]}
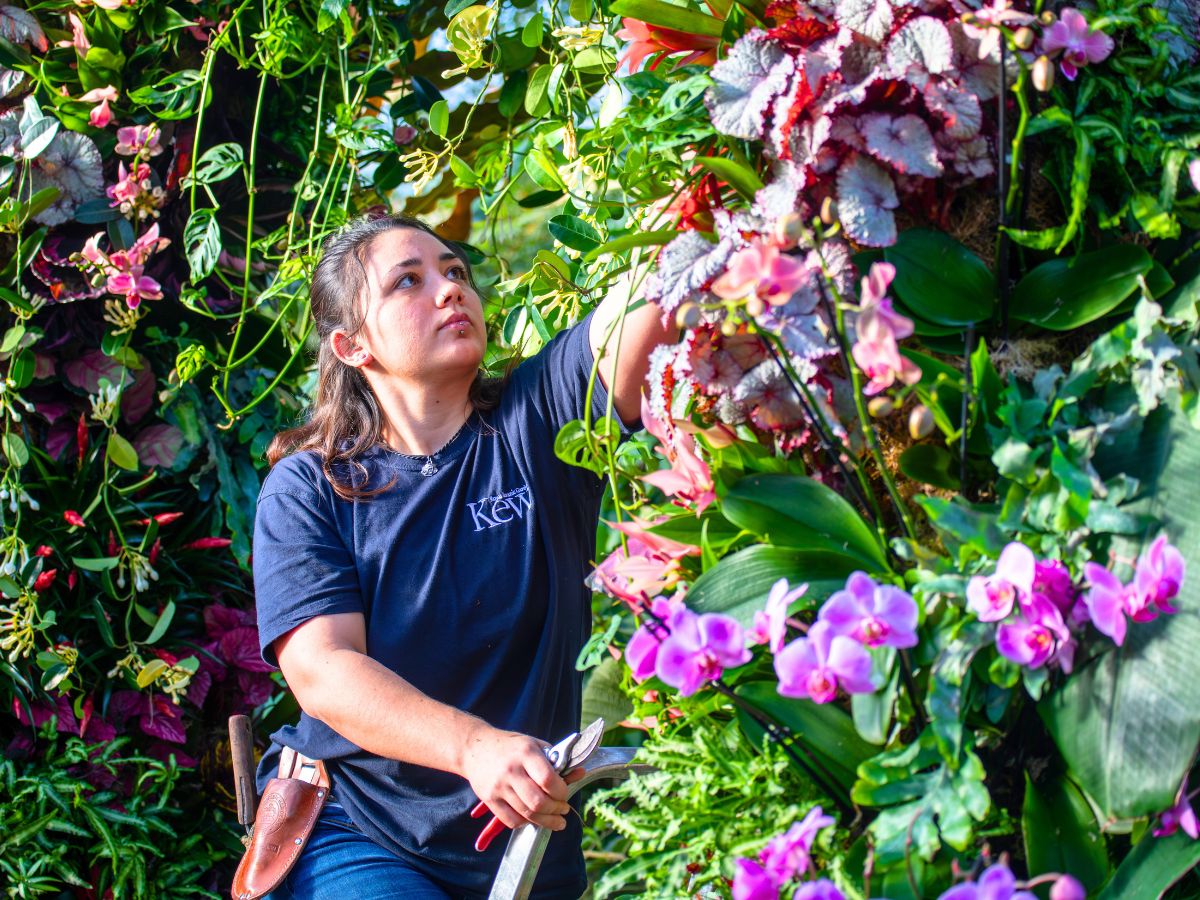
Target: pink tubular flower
{"points": [[1181, 815], [751, 882], [1078, 43], [816, 665], [648, 40], [141, 140], [689, 477], [100, 115], [1157, 579], [698, 649], [762, 268], [1036, 636], [874, 614], [991, 598], [877, 331], [787, 855], [770, 625], [78, 38]]}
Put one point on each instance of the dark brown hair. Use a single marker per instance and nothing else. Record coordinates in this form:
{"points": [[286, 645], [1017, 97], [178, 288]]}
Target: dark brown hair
{"points": [[344, 419]]}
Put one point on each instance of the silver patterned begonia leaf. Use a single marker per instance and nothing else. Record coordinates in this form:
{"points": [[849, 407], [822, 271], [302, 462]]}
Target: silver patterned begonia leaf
{"points": [[745, 83], [685, 266], [958, 108], [905, 143], [866, 198], [922, 47], [870, 18]]}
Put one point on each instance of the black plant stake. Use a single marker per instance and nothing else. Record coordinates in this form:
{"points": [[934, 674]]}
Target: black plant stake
{"points": [[1005, 245]]}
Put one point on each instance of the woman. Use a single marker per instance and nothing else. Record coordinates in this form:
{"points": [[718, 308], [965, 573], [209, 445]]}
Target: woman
{"points": [[419, 556]]}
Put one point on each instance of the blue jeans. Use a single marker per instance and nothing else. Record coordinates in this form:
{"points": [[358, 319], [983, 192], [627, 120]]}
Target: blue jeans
{"points": [[342, 863]]}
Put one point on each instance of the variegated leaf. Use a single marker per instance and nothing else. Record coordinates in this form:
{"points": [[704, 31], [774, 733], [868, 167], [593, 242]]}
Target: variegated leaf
{"points": [[921, 48], [866, 198], [745, 83], [870, 18], [958, 107], [904, 143], [684, 267]]}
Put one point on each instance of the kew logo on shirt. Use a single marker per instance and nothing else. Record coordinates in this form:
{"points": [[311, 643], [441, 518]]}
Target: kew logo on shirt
{"points": [[491, 512]]}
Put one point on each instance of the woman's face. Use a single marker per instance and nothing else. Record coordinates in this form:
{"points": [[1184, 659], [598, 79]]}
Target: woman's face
{"points": [[423, 321]]}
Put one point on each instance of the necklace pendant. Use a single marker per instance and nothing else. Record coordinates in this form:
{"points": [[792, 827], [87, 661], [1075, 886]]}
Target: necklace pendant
{"points": [[429, 468]]}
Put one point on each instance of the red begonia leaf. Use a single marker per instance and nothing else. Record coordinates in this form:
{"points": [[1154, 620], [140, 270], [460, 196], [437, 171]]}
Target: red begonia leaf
{"points": [[239, 647]]}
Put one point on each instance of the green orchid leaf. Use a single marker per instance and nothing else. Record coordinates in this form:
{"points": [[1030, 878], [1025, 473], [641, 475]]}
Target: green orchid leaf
{"points": [[1063, 294], [1061, 833], [939, 280]]}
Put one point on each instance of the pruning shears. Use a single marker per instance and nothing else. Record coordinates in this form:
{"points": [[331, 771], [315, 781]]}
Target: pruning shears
{"points": [[571, 751]]}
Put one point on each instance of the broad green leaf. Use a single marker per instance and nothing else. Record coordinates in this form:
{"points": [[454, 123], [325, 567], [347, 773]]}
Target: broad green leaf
{"points": [[1152, 867], [542, 171], [823, 729], [531, 34], [1063, 294], [572, 444], [1061, 833], [202, 242], [738, 176], [22, 368], [439, 118], [930, 464], [163, 623], [12, 337], [688, 528], [574, 232], [512, 94], [96, 564], [630, 241], [121, 452], [537, 102], [1128, 722], [14, 448], [668, 15], [738, 585], [218, 163], [603, 697], [794, 511], [940, 280]]}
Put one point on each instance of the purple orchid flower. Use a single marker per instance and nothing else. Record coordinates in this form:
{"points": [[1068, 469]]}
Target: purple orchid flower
{"points": [[751, 882], [1108, 601], [1067, 888], [996, 883], [1079, 44], [821, 889], [1157, 579], [641, 653], [874, 614], [770, 625], [1037, 636], [816, 665], [1181, 815], [699, 649], [991, 598], [1052, 580], [787, 855]]}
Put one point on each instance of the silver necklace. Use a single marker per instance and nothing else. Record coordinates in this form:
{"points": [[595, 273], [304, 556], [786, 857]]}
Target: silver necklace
{"points": [[430, 467]]}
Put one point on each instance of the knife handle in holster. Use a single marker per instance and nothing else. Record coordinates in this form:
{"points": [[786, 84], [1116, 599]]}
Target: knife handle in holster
{"points": [[241, 748]]}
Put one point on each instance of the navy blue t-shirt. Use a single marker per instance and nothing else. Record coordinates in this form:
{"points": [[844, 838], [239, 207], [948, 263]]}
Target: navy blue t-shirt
{"points": [[471, 582]]}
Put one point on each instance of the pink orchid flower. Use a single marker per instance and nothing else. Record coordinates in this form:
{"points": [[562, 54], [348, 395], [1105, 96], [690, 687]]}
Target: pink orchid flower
{"points": [[821, 889], [1181, 815], [699, 649], [689, 477], [1079, 44], [992, 597], [764, 269], [878, 329], [1108, 601], [138, 140], [815, 666], [641, 653], [1037, 636], [100, 115], [1157, 579], [1053, 581], [135, 286], [873, 614], [1194, 173], [147, 244], [787, 855], [645, 567], [751, 881], [984, 24], [770, 624]]}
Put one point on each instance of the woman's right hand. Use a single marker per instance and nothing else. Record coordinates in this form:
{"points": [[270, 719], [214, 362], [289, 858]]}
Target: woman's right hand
{"points": [[511, 774]]}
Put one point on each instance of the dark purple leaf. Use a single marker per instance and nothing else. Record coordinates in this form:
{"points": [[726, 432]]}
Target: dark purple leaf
{"points": [[158, 445], [138, 398], [163, 720], [86, 371]]}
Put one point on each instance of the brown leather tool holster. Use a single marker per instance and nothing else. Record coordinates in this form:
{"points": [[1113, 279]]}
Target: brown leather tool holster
{"points": [[286, 815]]}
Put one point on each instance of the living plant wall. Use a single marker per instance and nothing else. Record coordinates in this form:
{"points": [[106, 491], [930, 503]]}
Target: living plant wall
{"points": [[893, 590]]}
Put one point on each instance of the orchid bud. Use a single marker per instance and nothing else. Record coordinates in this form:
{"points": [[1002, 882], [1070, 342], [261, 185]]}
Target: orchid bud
{"points": [[1047, 18], [1067, 888], [729, 328], [920, 422], [829, 211], [879, 407], [755, 306], [788, 230], [1023, 38], [688, 315], [1043, 74]]}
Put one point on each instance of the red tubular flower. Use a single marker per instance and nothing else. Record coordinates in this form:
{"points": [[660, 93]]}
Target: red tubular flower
{"points": [[155, 550], [44, 551], [207, 543], [81, 438], [648, 40], [44, 580], [72, 579], [113, 548], [73, 518], [162, 518]]}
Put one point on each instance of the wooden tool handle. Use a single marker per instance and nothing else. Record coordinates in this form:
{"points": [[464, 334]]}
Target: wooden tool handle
{"points": [[241, 748]]}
